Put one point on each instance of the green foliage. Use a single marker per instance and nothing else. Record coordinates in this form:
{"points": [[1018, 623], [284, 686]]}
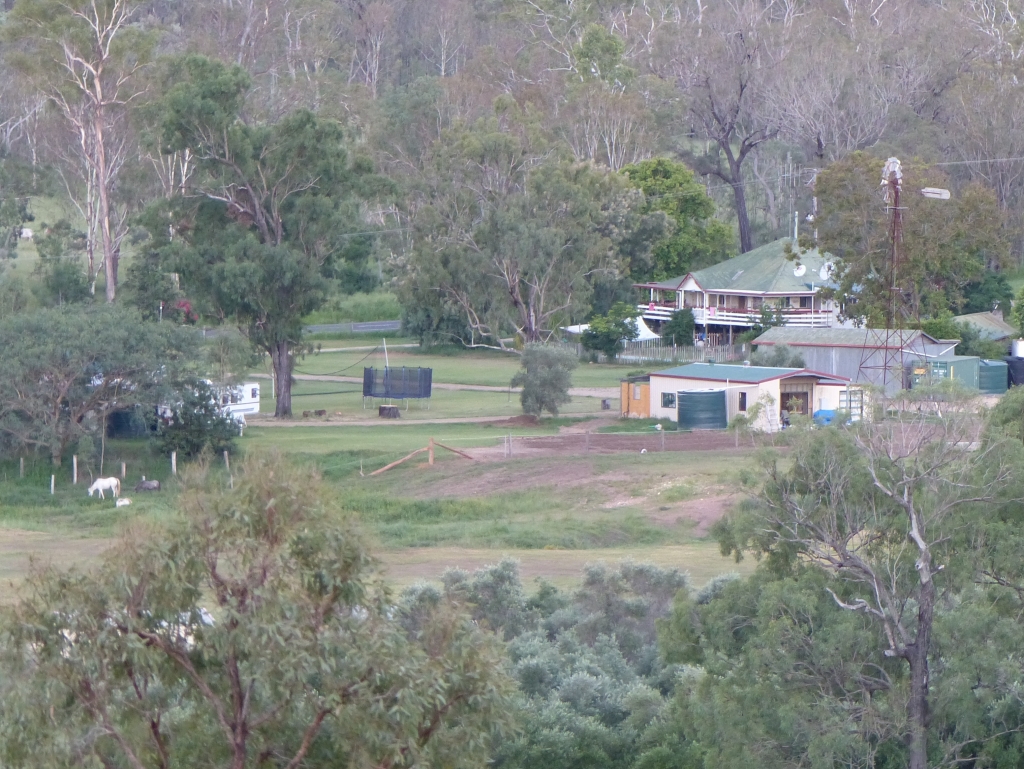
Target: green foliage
{"points": [[14, 214], [357, 308], [1007, 416], [946, 245], [776, 355], [679, 328], [508, 241], [608, 332], [255, 625], [62, 369], [546, 377], [697, 239], [599, 56], [277, 206], [592, 687], [150, 290], [196, 424], [971, 342], [993, 292], [1018, 311], [62, 276]]}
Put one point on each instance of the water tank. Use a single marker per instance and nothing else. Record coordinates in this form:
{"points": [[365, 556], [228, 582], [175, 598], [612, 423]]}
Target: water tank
{"points": [[1017, 348], [702, 410], [993, 377], [1016, 366]]}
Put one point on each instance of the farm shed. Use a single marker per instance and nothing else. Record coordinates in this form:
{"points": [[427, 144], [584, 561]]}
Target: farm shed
{"points": [[676, 391], [990, 325], [841, 351], [635, 397]]}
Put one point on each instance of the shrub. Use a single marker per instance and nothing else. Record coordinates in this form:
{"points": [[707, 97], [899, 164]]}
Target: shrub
{"points": [[546, 377], [197, 424]]}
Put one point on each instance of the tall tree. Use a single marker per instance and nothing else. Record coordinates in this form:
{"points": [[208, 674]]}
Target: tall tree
{"points": [[85, 57], [254, 631], [271, 215], [63, 370], [511, 238], [697, 238], [725, 65], [945, 246], [881, 508]]}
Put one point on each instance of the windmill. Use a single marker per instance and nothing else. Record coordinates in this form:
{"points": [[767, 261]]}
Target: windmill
{"points": [[886, 349]]}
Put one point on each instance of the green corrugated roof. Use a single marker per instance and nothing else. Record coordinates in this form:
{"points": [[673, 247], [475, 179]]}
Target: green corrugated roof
{"points": [[989, 325], [719, 372], [764, 270], [835, 337]]}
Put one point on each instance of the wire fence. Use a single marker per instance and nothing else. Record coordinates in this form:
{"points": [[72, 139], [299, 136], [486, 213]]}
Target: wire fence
{"points": [[660, 351]]}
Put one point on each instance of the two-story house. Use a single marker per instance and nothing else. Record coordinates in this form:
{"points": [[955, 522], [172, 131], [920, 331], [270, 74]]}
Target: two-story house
{"points": [[728, 297]]}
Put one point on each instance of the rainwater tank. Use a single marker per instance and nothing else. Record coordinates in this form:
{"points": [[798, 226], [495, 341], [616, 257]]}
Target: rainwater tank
{"points": [[993, 377], [702, 410]]}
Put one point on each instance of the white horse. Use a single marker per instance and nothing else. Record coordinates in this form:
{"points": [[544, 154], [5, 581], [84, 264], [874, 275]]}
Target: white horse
{"points": [[113, 485]]}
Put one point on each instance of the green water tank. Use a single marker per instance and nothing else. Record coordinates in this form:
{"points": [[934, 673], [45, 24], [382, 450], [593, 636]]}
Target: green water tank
{"points": [[702, 410], [993, 377]]}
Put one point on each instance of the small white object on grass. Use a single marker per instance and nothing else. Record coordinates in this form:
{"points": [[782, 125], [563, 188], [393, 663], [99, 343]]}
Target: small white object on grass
{"points": [[643, 451], [123, 502]]}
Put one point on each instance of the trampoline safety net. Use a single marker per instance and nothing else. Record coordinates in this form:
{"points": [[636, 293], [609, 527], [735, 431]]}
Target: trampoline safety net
{"points": [[397, 383]]}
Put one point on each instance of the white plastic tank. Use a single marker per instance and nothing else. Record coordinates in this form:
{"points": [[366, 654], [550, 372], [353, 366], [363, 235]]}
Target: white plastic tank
{"points": [[1017, 348]]}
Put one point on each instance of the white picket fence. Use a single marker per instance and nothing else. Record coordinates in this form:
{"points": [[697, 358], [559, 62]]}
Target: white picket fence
{"points": [[660, 351]]}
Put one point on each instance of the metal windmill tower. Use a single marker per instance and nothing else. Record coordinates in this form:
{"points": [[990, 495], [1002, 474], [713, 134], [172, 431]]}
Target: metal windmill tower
{"points": [[883, 355], [886, 350]]}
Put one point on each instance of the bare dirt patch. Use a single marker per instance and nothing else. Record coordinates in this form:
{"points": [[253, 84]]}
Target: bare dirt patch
{"points": [[700, 513]]}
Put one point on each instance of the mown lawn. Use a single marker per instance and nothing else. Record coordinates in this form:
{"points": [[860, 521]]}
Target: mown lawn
{"points": [[475, 367]]}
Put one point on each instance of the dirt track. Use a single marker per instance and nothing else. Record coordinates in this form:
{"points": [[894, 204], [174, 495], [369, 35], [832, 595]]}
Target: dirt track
{"points": [[577, 443]]}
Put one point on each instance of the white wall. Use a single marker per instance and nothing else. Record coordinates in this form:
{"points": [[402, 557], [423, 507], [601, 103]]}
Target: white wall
{"points": [[754, 392]]}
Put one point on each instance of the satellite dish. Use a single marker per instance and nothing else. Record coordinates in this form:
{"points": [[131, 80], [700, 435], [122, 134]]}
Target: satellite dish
{"points": [[825, 270], [800, 270]]}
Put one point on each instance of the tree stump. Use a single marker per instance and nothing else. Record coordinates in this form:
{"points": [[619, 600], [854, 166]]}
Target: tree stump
{"points": [[389, 412]]}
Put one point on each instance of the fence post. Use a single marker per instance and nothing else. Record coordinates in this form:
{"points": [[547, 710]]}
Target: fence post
{"points": [[588, 441], [21, 467], [53, 479], [662, 440], [430, 452], [123, 470], [74, 469], [174, 463]]}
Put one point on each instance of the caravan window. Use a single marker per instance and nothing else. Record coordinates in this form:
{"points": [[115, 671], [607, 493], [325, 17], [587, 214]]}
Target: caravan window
{"points": [[255, 393], [668, 400]]}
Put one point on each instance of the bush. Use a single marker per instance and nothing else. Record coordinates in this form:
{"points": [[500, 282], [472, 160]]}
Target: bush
{"points": [[777, 355], [197, 424], [607, 332], [545, 378], [679, 328]]}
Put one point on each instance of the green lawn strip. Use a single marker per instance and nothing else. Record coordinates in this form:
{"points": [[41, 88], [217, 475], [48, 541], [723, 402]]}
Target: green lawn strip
{"points": [[490, 368], [345, 400], [393, 440]]}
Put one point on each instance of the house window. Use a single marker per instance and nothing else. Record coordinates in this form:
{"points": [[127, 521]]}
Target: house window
{"points": [[743, 401], [786, 301], [805, 302], [742, 302], [668, 400], [636, 392]]}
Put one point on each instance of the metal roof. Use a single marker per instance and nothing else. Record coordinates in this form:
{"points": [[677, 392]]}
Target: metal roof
{"points": [[719, 372], [840, 337], [765, 270], [990, 326]]}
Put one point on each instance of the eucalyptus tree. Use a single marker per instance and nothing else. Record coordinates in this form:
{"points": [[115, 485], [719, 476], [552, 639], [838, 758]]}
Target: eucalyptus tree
{"points": [[63, 370], [883, 509], [254, 630], [271, 213], [85, 57]]}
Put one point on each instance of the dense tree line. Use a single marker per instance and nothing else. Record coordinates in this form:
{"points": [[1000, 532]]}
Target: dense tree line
{"points": [[507, 166]]}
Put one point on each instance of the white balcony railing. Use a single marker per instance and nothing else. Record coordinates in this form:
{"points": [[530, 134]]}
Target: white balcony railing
{"points": [[799, 318]]}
